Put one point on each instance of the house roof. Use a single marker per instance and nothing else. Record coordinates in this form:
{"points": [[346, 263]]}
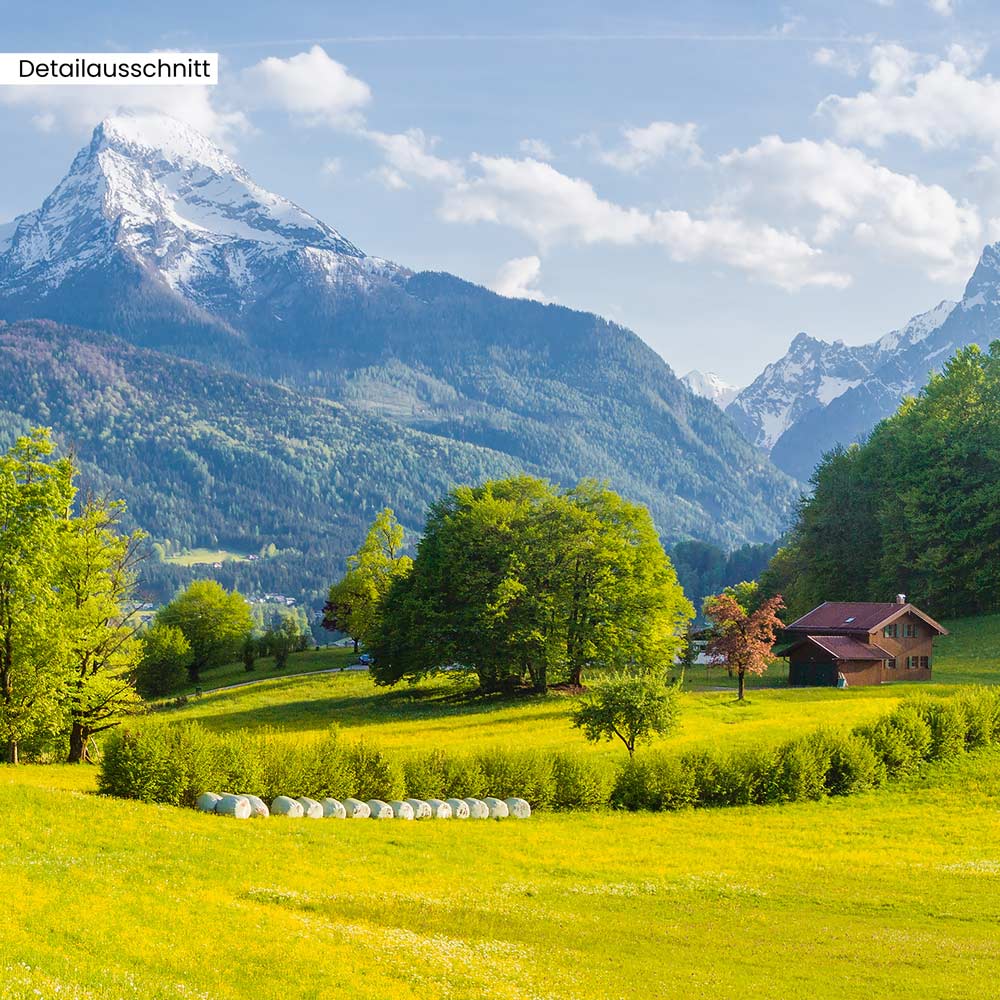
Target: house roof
{"points": [[844, 647], [857, 616]]}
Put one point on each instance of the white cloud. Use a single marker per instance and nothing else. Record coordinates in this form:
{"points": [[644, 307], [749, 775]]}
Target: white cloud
{"points": [[653, 142], [849, 194], [549, 207], [938, 102], [518, 279], [943, 7], [838, 60], [79, 109], [310, 86], [411, 154], [537, 149], [332, 166]]}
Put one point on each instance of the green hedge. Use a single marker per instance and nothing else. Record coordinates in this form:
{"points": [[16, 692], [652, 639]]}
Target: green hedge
{"points": [[175, 764]]}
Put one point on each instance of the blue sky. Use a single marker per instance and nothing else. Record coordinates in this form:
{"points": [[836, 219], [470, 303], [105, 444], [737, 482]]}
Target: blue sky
{"points": [[716, 176]]}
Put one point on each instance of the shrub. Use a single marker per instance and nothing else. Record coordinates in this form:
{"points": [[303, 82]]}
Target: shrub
{"points": [[577, 783], [374, 775], [854, 766], [439, 775], [801, 769], [143, 765], [981, 707], [901, 740], [166, 657], [631, 787], [745, 778], [947, 724], [658, 781], [518, 773]]}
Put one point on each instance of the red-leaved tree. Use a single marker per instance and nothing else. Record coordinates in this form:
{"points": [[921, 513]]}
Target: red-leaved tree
{"points": [[743, 640]]}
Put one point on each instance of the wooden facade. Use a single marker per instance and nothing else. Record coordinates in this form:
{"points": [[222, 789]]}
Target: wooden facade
{"points": [[856, 644]]}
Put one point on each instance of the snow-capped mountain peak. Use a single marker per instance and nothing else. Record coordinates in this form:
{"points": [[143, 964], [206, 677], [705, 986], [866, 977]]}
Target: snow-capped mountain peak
{"points": [[168, 200], [711, 386]]}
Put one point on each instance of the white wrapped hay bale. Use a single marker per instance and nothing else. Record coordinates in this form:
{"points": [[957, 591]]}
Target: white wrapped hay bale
{"points": [[401, 810], [459, 808], [380, 809], [356, 809], [421, 809], [207, 801], [332, 809], [518, 808], [498, 808], [237, 806], [478, 809], [439, 809], [258, 807], [285, 806], [311, 809]]}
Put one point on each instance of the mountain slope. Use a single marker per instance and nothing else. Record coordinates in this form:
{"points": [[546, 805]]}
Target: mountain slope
{"points": [[819, 394], [160, 238], [206, 457], [711, 386]]}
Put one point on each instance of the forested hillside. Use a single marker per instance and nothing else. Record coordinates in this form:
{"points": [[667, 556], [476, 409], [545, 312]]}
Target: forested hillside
{"points": [[913, 510]]}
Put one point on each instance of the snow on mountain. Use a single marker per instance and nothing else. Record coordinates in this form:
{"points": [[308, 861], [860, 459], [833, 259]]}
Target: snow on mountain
{"points": [[821, 394], [158, 193], [711, 386]]}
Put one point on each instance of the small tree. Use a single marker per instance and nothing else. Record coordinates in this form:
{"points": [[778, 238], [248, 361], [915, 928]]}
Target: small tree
{"points": [[630, 707], [248, 653], [743, 640], [214, 621], [166, 657]]}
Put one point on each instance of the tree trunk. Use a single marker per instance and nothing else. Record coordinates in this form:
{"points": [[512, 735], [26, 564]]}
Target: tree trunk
{"points": [[742, 677], [355, 641], [79, 737], [12, 752]]}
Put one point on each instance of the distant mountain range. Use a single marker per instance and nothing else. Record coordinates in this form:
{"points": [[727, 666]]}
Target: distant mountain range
{"points": [[711, 386], [254, 374], [820, 394]]}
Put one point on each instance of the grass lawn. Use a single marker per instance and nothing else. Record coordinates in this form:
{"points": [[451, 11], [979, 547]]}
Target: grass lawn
{"points": [[200, 557], [439, 711], [893, 894]]}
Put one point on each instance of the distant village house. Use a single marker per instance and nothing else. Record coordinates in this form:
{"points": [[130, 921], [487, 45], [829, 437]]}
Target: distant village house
{"points": [[853, 643]]}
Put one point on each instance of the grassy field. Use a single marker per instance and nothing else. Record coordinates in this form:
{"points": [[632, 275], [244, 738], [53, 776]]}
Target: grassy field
{"points": [[890, 895], [439, 711], [201, 557]]}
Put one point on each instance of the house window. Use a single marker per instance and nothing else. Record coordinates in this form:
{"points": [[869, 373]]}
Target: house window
{"points": [[892, 663], [890, 631], [910, 631], [925, 662]]}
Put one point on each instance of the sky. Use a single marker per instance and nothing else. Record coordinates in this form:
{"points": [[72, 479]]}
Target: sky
{"points": [[715, 176]]}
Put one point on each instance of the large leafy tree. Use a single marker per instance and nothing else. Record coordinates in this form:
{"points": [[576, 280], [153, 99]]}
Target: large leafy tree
{"points": [[97, 576], [36, 496], [516, 579], [213, 620], [354, 601]]}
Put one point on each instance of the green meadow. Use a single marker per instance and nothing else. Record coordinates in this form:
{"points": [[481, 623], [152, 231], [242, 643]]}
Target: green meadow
{"points": [[892, 893]]}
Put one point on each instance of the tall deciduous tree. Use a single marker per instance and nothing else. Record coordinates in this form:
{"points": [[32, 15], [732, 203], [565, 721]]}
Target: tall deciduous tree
{"points": [[36, 495], [743, 640], [214, 621], [354, 602], [516, 579], [98, 587]]}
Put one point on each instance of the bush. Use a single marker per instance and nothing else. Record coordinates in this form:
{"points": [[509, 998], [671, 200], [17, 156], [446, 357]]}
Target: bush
{"points": [[166, 657], [524, 774], [439, 775], [144, 766], [901, 740], [657, 782], [854, 766], [801, 769], [374, 775], [744, 778], [947, 724], [577, 783], [981, 708]]}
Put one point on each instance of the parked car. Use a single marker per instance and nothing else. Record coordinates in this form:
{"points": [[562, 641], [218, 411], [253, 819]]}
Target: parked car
{"points": [[365, 660]]}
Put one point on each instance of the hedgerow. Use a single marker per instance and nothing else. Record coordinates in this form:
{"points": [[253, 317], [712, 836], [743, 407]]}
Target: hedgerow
{"points": [[176, 764]]}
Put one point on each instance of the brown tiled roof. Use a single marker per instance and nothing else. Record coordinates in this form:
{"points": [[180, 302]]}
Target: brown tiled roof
{"points": [[854, 617], [844, 647]]}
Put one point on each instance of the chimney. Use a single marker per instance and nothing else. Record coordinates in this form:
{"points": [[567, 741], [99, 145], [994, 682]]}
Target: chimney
{"points": [[901, 598]]}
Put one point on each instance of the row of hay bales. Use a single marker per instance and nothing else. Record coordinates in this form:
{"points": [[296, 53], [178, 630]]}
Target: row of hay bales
{"points": [[250, 806]]}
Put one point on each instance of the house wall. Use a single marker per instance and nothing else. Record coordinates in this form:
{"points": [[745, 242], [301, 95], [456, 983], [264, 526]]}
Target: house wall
{"points": [[861, 673], [901, 647]]}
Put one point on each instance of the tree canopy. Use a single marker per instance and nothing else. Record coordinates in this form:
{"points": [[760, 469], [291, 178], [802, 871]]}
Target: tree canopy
{"points": [[915, 509], [518, 580]]}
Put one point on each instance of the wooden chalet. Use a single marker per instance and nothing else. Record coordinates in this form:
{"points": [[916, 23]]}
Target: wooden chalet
{"points": [[853, 643]]}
